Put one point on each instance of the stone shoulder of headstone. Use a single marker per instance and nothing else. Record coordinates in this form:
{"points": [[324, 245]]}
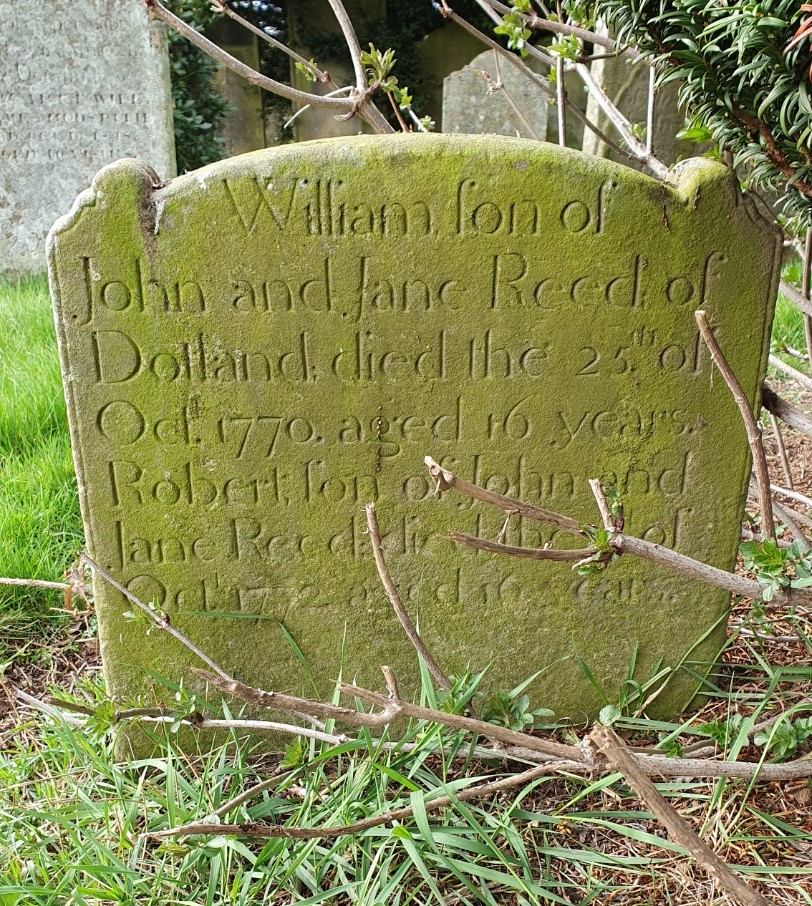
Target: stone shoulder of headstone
{"points": [[254, 351]]}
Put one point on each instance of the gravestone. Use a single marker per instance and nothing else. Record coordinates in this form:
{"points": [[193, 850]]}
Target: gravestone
{"points": [[242, 128], [80, 87], [475, 100], [254, 351], [627, 84]]}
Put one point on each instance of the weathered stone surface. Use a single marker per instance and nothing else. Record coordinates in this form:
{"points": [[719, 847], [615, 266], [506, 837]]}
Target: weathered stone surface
{"points": [[473, 103], [79, 88], [254, 351]]}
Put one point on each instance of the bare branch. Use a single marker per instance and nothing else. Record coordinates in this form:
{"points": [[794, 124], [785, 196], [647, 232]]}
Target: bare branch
{"points": [[222, 7], [499, 85], [57, 707], [541, 83], [678, 829], [782, 451], [792, 495], [787, 516], [254, 829], [352, 43], [527, 553], [798, 376], [394, 598], [620, 544], [160, 619], [390, 710], [603, 506], [791, 415], [446, 481], [360, 103], [751, 425], [35, 583], [805, 280], [652, 78], [795, 297], [623, 126], [561, 101]]}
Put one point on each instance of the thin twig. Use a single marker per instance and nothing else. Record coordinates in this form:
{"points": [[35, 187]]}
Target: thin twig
{"points": [[500, 86], [623, 126], [404, 126], [527, 553], [49, 709], [254, 829], [445, 480], [792, 495], [400, 611], [561, 101], [35, 583], [603, 506], [351, 40], [795, 297], [791, 415], [805, 281], [678, 829], [782, 451], [390, 710], [160, 619], [751, 425], [320, 75], [798, 376], [787, 516], [300, 110], [652, 78]]}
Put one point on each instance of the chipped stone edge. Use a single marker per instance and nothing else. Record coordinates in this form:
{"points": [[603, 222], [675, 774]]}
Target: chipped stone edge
{"points": [[85, 200]]}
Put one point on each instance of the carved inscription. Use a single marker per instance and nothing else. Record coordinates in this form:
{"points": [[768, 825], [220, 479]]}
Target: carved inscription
{"points": [[234, 412], [76, 93]]}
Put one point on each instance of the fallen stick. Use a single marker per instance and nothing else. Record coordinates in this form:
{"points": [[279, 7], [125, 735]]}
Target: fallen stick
{"points": [[678, 829]]}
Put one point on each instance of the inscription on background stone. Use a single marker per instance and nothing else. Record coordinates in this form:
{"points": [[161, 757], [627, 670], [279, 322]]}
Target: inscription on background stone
{"points": [[258, 349], [79, 88]]}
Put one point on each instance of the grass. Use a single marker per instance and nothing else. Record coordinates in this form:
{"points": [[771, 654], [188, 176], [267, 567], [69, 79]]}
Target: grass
{"points": [[74, 821], [39, 513], [73, 818]]}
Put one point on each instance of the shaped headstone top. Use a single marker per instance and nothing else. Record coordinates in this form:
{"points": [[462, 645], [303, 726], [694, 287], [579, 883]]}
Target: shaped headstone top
{"points": [[256, 350]]}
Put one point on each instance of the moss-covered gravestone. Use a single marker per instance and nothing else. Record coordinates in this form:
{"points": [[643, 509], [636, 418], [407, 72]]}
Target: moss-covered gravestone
{"points": [[254, 351]]}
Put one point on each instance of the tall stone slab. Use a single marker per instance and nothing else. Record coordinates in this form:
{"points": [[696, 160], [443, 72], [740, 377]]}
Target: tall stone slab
{"points": [[80, 86], [256, 350], [242, 128], [476, 101], [626, 82]]}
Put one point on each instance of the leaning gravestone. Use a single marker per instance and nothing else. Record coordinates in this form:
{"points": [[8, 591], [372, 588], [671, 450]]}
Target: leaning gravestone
{"points": [[475, 100], [81, 85], [254, 351]]}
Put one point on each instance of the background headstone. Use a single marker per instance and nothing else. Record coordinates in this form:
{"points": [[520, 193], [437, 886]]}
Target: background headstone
{"points": [[522, 313], [80, 86], [627, 84], [314, 123], [242, 129], [472, 103]]}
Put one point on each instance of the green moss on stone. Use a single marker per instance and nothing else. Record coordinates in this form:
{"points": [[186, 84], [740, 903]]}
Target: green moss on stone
{"points": [[529, 316]]}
